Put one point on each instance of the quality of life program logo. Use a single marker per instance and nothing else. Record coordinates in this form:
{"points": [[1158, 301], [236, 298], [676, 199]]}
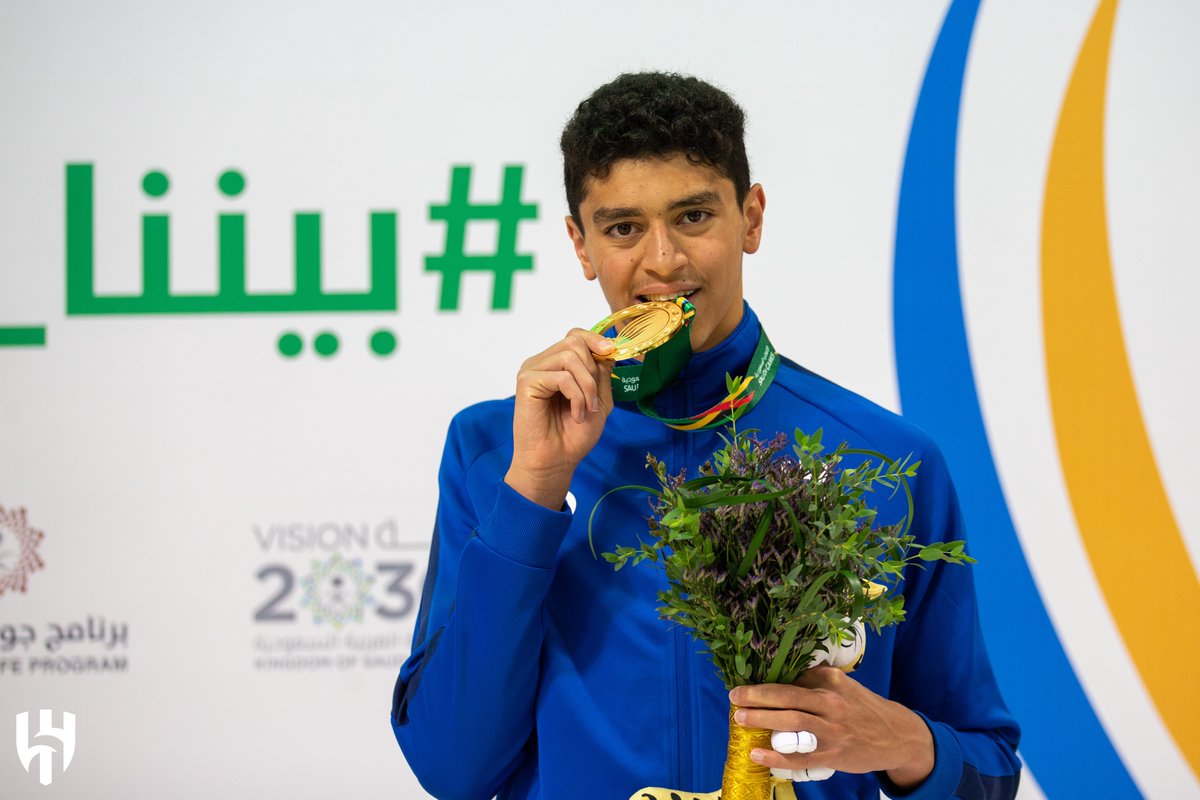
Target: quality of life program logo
{"points": [[18, 550], [87, 643], [44, 753]]}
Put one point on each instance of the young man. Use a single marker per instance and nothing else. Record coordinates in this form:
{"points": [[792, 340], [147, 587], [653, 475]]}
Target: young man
{"points": [[539, 672]]}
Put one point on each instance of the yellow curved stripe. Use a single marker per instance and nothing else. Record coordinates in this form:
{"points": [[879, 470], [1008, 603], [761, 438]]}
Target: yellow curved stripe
{"points": [[1120, 505]]}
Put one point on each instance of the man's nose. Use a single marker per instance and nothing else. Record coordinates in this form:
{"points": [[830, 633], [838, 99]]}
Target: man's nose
{"points": [[661, 255]]}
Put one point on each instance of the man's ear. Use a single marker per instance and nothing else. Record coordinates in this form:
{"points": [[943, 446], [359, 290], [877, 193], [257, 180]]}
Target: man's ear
{"points": [[752, 212], [576, 234]]}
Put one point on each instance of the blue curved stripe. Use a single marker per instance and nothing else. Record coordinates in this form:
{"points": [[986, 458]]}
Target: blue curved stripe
{"points": [[1062, 740]]}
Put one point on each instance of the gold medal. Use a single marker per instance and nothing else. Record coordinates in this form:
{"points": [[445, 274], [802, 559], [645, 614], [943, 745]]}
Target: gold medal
{"points": [[646, 326]]}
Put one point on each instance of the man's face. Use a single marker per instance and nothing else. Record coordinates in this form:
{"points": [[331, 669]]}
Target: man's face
{"points": [[655, 229]]}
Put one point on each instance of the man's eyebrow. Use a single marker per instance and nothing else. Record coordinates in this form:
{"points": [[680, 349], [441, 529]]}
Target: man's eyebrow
{"points": [[608, 214], [705, 198]]}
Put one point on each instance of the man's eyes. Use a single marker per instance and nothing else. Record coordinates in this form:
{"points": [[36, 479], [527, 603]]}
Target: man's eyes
{"points": [[623, 230]]}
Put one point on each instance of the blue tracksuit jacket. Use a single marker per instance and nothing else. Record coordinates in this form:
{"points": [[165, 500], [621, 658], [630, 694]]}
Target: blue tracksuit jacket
{"points": [[539, 672]]}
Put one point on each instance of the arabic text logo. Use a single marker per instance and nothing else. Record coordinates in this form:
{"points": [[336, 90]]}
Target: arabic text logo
{"points": [[231, 296], [505, 261], [18, 550], [337, 591], [44, 753]]}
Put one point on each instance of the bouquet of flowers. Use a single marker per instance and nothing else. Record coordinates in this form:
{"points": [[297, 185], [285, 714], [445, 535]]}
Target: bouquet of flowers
{"points": [[773, 560]]}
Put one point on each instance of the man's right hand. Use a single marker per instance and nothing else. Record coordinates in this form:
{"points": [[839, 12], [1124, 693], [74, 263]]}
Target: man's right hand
{"points": [[564, 396]]}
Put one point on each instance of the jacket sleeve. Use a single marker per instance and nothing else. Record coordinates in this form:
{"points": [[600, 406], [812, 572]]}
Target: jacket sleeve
{"points": [[941, 668], [463, 706]]}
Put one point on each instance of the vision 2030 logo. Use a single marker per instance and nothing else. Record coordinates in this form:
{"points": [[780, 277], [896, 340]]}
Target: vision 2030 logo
{"points": [[18, 550], [337, 591], [308, 294], [44, 753]]}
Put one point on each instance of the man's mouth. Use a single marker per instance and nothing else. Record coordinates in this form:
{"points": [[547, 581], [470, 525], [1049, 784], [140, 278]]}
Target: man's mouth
{"points": [[646, 298]]}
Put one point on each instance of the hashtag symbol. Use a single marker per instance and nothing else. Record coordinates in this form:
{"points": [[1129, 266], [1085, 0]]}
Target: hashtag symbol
{"points": [[456, 213]]}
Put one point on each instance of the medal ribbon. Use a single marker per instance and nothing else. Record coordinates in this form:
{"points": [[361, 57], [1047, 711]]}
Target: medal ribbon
{"points": [[641, 383]]}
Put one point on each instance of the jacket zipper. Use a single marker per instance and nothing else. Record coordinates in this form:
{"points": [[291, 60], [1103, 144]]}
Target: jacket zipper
{"points": [[683, 722], [683, 678]]}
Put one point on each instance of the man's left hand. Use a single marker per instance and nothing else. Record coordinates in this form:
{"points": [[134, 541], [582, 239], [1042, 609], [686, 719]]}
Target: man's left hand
{"points": [[856, 729]]}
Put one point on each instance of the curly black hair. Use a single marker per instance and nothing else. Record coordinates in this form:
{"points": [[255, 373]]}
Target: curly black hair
{"points": [[654, 114]]}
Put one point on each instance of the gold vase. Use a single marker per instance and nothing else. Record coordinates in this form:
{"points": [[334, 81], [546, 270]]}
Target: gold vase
{"points": [[743, 779]]}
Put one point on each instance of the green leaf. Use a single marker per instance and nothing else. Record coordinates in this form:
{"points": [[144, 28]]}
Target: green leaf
{"points": [[592, 516], [815, 587], [732, 499], [709, 480], [903, 481], [756, 541], [785, 647], [797, 528]]}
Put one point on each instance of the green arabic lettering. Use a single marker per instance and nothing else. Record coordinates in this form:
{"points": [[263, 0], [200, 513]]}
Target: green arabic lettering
{"points": [[231, 240], [156, 241], [231, 296]]}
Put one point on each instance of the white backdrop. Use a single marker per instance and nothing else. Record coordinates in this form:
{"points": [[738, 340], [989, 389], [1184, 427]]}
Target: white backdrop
{"points": [[190, 483]]}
